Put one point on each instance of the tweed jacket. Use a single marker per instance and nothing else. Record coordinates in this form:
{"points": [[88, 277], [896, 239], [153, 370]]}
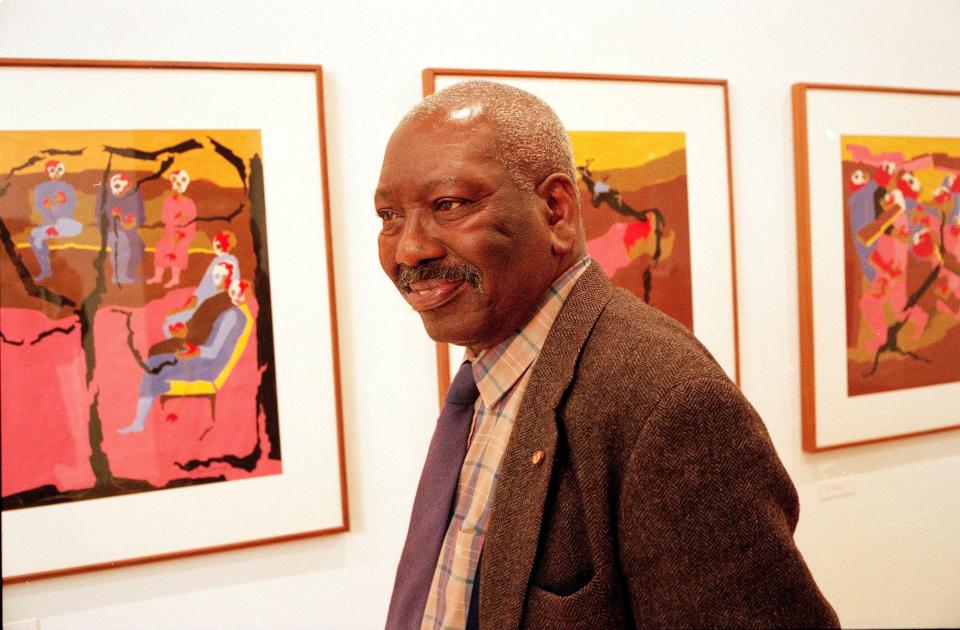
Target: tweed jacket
{"points": [[639, 488]]}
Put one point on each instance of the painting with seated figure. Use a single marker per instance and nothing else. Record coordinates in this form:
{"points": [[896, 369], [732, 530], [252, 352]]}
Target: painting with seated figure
{"points": [[136, 346], [633, 198]]}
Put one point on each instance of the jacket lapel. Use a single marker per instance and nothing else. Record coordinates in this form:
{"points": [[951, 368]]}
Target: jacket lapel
{"points": [[510, 547]]}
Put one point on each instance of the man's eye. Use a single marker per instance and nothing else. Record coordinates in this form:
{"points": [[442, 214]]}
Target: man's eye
{"points": [[448, 204], [386, 214]]}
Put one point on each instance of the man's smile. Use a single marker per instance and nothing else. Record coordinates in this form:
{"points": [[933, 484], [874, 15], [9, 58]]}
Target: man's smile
{"points": [[430, 294]]}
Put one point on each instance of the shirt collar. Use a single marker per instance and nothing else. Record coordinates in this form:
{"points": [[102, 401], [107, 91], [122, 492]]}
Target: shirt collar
{"points": [[496, 370]]}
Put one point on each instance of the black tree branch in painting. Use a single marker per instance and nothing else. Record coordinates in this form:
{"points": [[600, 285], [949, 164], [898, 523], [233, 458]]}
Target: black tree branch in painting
{"points": [[266, 360], [234, 159], [33, 160], [139, 154], [52, 152], [246, 462], [612, 197], [266, 400], [133, 349], [12, 342], [157, 174], [99, 461], [91, 302], [47, 333], [37, 158], [30, 162], [891, 344], [217, 217], [31, 287]]}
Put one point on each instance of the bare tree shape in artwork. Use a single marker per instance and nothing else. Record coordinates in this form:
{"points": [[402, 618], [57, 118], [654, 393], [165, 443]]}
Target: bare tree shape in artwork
{"points": [[601, 192]]}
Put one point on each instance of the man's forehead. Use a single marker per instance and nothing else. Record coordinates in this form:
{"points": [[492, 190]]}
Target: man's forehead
{"points": [[437, 150], [454, 125]]}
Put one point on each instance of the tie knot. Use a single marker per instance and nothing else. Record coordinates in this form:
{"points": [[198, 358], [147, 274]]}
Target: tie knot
{"points": [[463, 390]]}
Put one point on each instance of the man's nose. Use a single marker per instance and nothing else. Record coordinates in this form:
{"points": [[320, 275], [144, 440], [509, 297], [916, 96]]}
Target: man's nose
{"points": [[418, 243]]}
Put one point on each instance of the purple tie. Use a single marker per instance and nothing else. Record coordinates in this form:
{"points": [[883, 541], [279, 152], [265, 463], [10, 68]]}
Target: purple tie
{"points": [[433, 504]]}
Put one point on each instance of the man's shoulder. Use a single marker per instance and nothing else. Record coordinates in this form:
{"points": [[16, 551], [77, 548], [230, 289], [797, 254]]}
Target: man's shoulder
{"points": [[640, 343], [617, 350]]}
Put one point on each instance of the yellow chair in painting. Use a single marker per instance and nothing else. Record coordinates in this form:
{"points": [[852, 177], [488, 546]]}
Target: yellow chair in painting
{"points": [[209, 389]]}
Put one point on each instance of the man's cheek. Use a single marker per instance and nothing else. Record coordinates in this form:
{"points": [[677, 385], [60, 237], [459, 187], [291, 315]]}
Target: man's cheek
{"points": [[387, 259]]}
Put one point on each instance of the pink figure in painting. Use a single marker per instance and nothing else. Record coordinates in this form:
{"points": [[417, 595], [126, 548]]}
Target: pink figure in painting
{"points": [[948, 284], [177, 214], [887, 292]]}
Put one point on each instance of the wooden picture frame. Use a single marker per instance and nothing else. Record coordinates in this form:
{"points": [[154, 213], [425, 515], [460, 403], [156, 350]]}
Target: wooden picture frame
{"points": [[656, 152], [258, 169], [878, 228]]}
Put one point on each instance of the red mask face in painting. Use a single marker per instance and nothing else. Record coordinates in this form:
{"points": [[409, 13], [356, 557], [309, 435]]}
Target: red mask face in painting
{"points": [[179, 180], [468, 248], [909, 185], [119, 184], [858, 180], [222, 275], [221, 243], [55, 169], [923, 245], [885, 173]]}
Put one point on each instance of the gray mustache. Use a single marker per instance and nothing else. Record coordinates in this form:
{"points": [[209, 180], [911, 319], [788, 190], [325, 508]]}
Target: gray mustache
{"points": [[437, 270]]}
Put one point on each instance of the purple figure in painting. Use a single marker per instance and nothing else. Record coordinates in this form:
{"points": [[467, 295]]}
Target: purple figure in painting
{"points": [[223, 243], [862, 213], [194, 362], [56, 201], [124, 208], [177, 215]]}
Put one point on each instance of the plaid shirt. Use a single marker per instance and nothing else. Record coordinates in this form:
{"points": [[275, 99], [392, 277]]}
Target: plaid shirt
{"points": [[502, 374]]}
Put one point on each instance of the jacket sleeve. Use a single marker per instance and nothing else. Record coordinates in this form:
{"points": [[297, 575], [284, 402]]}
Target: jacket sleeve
{"points": [[706, 521]]}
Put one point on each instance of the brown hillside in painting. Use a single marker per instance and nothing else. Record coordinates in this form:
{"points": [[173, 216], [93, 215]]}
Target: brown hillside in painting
{"points": [[636, 178]]}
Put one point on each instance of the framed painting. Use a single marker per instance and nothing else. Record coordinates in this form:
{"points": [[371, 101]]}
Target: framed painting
{"points": [[878, 245], [653, 161], [169, 379]]}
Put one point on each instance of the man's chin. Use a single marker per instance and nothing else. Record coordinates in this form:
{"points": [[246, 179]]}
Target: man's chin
{"points": [[448, 328]]}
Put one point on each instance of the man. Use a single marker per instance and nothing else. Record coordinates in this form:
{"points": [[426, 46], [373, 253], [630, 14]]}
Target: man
{"points": [[56, 201], [124, 205], [614, 477], [192, 362]]}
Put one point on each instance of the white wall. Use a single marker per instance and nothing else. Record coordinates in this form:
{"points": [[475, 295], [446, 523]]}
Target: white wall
{"points": [[887, 554]]}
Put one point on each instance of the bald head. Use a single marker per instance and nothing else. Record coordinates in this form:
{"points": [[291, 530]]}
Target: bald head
{"points": [[530, 141]]}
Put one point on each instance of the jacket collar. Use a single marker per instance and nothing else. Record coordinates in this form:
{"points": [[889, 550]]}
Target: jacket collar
{"points": [[510, 547]]}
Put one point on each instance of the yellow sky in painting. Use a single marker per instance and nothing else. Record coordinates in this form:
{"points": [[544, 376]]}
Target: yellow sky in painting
{"points": [[911, 147], [622, 149], [17, 146]]}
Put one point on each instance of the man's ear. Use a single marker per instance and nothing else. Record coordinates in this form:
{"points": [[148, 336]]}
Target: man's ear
{"points": [[563, 212]]}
